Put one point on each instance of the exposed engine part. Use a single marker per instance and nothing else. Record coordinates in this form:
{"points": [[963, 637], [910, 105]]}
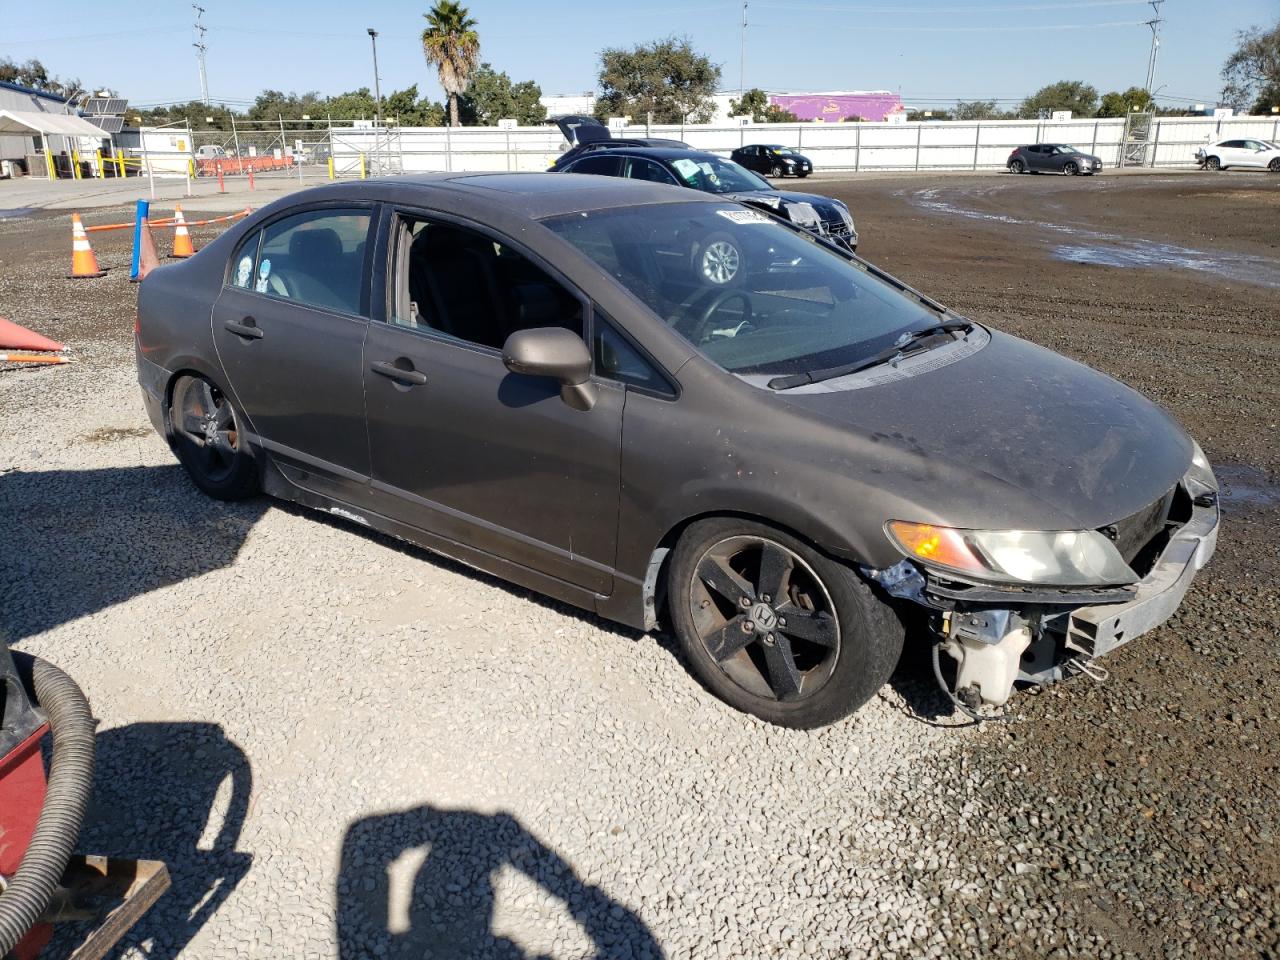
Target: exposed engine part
{"points": [[987, 646], [902, 580]]}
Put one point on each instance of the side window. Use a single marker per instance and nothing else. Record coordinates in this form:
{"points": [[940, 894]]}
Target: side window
{"points": [[316, 258], [618, 360], [243, 262], [601, 164], [638, 168], [466, 285]]}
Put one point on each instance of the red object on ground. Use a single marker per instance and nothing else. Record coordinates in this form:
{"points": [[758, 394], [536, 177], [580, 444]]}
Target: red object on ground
{"points": [[22, 788], [15, 337]]}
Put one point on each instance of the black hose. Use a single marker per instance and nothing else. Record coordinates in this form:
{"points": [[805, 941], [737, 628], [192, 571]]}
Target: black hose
{"points": [[959, 704], [70, 780]]}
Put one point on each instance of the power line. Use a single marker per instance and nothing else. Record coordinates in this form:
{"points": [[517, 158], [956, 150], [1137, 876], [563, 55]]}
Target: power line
{"points": [[951, 10]]}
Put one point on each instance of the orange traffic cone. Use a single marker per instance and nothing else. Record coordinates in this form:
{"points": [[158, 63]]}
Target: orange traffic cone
{"points": [[182, 247], [83, 263], [147, 259], [15, 337]]}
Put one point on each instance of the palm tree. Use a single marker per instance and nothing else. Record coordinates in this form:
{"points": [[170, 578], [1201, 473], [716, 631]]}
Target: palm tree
{"points": [[451, 44]]}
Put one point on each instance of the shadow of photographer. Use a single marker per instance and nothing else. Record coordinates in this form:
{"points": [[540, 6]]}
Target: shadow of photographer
{"points": [[448, 909]]}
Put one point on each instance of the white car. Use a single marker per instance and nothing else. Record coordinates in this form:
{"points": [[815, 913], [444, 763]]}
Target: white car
{"points": [[1255, 154]]}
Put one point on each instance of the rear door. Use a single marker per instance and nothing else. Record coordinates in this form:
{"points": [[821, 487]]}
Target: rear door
{"points": [[465, 449], [289, 328]]}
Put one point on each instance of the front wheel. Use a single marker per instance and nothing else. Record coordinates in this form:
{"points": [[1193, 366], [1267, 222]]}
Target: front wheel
{"points": [[776, 629], [1016, 166], [1070, 168], [777, 170], [208, 441]]}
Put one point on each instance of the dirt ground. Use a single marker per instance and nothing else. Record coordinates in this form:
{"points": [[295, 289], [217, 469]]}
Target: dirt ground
{"points": [[1152, 800]]}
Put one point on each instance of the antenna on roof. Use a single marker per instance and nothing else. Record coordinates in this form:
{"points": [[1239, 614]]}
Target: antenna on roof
{"points": [[200, 49]]}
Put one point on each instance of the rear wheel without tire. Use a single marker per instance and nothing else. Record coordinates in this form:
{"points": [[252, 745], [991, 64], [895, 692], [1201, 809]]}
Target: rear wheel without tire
{"points": [[774, 628], [206, 436]]}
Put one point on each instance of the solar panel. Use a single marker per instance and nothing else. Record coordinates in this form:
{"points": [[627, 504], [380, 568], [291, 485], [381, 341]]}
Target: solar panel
{"points": [[105, 105], [108, 124]]}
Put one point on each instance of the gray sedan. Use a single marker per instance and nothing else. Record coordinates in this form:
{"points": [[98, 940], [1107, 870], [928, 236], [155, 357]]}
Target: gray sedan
{"points": [[669, 408]]}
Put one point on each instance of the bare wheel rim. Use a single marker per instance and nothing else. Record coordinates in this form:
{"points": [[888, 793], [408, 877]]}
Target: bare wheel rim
{"points": [[206, 426], [765, 618], [720, 261]]}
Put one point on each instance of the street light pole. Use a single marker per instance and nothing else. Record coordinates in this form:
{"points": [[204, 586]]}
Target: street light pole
{"points": [[377, 87]]}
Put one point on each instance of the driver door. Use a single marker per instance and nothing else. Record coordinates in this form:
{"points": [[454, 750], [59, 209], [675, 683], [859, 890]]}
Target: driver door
{"points": [[465, 449]]}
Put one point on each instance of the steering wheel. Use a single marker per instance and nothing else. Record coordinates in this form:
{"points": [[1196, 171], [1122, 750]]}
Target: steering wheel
{"points": [[698, 327]]}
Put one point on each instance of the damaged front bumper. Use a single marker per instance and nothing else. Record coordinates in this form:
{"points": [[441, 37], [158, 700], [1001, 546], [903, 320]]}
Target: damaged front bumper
{"points": [[1001, 635]]}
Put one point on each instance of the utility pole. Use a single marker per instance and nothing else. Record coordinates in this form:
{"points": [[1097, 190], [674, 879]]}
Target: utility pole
{"points": [[742, 53], [1154, 24], [377, 89], [200, 50]]}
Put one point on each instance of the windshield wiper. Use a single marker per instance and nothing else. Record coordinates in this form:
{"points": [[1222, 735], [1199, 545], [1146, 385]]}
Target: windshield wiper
{"points": [[899, 349]]}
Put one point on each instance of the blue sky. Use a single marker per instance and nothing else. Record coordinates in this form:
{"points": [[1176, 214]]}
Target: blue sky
{"points": [[933, 52]]}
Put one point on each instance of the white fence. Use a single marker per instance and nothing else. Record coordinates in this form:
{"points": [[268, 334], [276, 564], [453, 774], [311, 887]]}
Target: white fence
{"points": [[944, 145]]}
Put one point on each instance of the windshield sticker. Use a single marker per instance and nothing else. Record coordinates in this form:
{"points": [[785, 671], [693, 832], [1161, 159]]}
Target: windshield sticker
{"points": [[244, 270], [686, 167], [743, 216], [264, 271]]}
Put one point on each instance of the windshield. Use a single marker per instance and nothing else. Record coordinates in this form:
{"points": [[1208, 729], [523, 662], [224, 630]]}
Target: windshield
{"points": [[783, 150], [1063, 148], [754, 295], [713, 175]]}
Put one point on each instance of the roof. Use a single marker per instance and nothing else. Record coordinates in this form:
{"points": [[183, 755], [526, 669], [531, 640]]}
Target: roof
{"points": [[19, 88], [27, 122], [668, 153], [539, 195]]}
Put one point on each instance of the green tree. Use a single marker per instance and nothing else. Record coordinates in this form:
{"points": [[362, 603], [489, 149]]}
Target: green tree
{"points": [[357, 104], [934, 114], [976, 110], [408, 110], [1251, 74], [1074, 95], [755, 104], [274, 105], [451, 45], [492, 96], [1121, 104], [667, 77], [32, 73], [776, 114]]}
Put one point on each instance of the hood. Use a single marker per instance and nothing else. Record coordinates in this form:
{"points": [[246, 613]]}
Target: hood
{"points": [[1014, 435], [579, 129]]}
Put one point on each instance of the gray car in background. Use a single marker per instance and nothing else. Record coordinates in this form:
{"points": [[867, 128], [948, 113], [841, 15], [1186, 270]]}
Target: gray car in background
{"points": [[1052, 158], [666, 407]]}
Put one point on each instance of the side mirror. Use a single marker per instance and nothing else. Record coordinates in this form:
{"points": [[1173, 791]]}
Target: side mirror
{"points": [[556, 353]]}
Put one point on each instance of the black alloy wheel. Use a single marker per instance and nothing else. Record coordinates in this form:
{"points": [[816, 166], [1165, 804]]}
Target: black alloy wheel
{"points": [[206, 436], [777, 629]]}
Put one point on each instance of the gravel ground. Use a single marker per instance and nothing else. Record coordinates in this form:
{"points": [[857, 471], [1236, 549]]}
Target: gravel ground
{"points": [[344, 746]]}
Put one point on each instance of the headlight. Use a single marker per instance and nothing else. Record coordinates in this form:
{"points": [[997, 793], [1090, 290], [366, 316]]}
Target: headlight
{"points": [[845, 215], [788, 161], [1060, 558]]}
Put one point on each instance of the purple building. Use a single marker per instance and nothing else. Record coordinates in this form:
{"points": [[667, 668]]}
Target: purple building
{"points": [[874, 105]]}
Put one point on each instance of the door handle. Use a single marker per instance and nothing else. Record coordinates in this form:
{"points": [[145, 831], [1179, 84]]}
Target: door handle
{"points": [[414, 377], [248, 329]]}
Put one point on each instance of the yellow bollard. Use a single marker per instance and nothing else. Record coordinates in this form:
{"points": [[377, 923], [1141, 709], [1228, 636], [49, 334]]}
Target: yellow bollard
{"points": [[331, 168], [75, 165], [48, 159], [120, 163], [191, 168], [97, 160], [363, 174]]}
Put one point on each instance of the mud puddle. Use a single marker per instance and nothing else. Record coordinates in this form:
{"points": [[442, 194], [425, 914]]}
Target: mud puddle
{"points": [[1245, 487], [1113, 250]]}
